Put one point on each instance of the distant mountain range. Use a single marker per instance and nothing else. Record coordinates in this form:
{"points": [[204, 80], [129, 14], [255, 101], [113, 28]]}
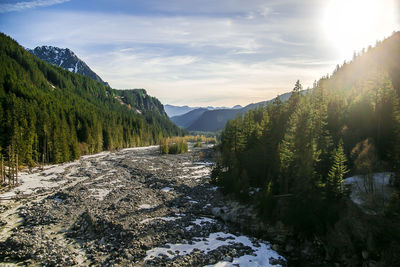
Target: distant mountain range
{"points": [[66, 59], [172, 110], [187, 119], [205, 120], [177, 110]]}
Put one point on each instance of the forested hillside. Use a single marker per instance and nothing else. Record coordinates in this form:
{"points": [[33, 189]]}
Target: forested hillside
{"points": [[215, 120], [52, 115], [298, 152], [139, 100], [187, 119]]}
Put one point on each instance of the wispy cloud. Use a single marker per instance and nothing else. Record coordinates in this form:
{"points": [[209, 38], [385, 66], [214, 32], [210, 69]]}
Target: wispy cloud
{"points": [[198, 52], [19, 6], [196, 58]]}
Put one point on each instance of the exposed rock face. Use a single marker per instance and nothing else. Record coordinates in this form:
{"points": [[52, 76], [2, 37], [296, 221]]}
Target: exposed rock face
{"points": [[66, 59]]}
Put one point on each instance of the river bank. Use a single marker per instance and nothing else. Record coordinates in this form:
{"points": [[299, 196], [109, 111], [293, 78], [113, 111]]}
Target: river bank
{"points": [[132, 207]]}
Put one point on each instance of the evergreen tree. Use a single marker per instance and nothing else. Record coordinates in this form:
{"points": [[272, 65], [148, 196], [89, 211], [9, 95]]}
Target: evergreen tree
{"points": [[337, 172], [53, 115], [287, 148]]}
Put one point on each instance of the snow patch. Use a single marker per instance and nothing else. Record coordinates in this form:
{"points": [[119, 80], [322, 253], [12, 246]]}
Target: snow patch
{"points": [[145, 206], [167, 219], [260, 257], [29, 183], [99, 193], [200, 222], [362, 185], [167, 189]]}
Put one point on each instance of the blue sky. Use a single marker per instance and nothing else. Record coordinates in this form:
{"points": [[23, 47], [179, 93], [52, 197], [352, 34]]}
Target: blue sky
{"points": [[201, 52]]}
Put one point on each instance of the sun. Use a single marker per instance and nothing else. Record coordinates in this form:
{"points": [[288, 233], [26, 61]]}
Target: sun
{"points": [[351, 25]]}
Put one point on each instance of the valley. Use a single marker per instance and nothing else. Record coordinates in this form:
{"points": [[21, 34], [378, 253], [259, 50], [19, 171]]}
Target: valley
{"points": [[130, 207], [148, 158]]}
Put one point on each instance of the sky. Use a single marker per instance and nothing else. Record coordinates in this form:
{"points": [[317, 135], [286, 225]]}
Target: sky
{"points": [[204, 52]]}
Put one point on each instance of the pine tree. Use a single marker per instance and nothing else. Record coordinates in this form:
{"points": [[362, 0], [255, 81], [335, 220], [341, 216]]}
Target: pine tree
{"points": [[297, 87], [320, 132], [53, 115], [337, 171]]}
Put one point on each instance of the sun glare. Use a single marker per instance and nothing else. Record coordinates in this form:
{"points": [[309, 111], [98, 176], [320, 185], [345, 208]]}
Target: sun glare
{"points": [[351, 25]]}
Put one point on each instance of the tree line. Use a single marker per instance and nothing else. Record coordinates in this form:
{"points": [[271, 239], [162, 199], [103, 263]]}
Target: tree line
{"points": [[298, 152], [48, 114]]}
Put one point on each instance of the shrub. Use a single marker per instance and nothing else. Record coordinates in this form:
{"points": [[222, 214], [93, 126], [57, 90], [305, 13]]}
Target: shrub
{"points": [[198, 144], [175, 145]]}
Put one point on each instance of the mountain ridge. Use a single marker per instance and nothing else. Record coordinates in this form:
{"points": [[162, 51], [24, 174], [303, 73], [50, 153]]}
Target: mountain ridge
{"points": [[173, 110], [135, 99], [53, 115], [185, 120], [66, 59], [215, 120]]}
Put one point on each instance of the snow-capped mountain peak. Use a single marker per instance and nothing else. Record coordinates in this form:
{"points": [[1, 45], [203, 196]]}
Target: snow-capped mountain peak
{"points": [[66, 59]]}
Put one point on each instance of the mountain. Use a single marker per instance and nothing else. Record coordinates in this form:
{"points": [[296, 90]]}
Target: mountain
{"points": [[214, 120], [51, 114], [66, 59], [213, 108], [138, 100], [237, 107], [187, 119], [173, 111]]}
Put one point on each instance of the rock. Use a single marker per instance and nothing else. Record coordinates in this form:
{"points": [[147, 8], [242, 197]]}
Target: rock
{"points": [[228, 258], [113, 231], [274, 261], [234, 252]]}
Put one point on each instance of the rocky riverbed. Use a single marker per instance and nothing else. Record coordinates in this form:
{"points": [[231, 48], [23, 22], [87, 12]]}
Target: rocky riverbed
{"points": [[132, 207]]}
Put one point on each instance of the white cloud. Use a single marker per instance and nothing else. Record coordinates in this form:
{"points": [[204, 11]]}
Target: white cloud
{"points": [[202, 82], [19, 6], [226, 53], [195, 60]]}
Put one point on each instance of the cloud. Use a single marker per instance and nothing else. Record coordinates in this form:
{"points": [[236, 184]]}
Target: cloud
{"points": [[19, 6], [190, 58], [198, 52], [201, 82]]}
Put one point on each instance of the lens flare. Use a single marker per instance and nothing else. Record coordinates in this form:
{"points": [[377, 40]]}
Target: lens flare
{"points": [[351, 25]]}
